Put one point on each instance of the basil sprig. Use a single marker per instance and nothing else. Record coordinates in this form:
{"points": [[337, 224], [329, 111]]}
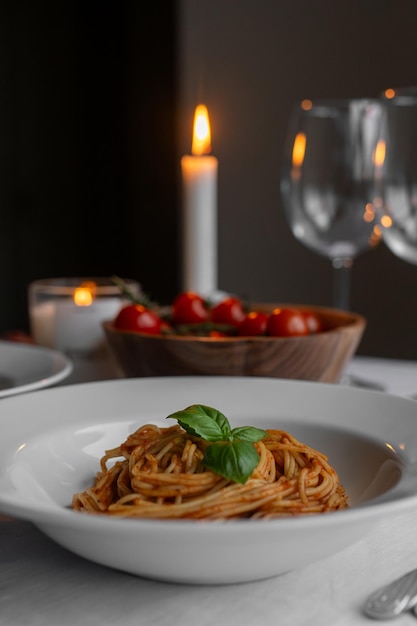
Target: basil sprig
{"points": [[231, 453], [131, 296]]}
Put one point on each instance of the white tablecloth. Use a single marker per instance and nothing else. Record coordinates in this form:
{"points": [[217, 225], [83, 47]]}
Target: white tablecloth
{"points": [[41, 584], [398, 377]]}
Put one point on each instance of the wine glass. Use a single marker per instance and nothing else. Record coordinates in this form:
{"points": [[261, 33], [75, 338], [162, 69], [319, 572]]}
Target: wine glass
{"points": [[396, 175], [327, 182]]}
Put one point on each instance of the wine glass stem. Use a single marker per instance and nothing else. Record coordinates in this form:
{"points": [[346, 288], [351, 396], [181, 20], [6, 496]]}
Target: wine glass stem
{"points": [[341, 282]]}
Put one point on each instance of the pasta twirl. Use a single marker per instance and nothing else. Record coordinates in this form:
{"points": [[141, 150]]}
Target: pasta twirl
{"points": [[159, 473]]}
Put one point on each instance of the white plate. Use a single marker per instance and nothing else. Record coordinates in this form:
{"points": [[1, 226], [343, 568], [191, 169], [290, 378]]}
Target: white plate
{"points": [[24, 367], [52, 440]]}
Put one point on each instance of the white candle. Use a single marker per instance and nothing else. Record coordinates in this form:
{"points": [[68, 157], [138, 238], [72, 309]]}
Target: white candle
{"points": [[42, 324], [70, 319], [199, 176], [67, 327], [79, 327]]}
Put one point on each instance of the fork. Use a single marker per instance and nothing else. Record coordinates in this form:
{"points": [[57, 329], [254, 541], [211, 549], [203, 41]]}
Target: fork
{"points": [[393, 599]]}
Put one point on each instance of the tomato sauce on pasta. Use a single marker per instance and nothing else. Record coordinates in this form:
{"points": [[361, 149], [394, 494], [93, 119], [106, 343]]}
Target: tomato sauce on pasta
{"points": [[159, 473]]}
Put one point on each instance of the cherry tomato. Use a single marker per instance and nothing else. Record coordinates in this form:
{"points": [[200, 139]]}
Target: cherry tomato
{"points": [[136, 317], [228, 311], [314, 323], [253, 324], [286, 323], [189, 308], [19, 336]]}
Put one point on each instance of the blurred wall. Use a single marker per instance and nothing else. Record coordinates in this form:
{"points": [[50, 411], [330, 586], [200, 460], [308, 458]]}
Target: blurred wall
{"points": [[250, 61], [88, 183], [96, 107]]}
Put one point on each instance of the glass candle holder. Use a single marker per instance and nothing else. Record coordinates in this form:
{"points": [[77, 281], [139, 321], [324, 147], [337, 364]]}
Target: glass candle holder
{"points": [[66, 314]]}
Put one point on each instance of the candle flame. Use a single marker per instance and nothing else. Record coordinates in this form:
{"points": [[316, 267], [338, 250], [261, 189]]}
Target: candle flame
{"points": [[84, 295], [202, 134], [299, 149], [379, 154]]}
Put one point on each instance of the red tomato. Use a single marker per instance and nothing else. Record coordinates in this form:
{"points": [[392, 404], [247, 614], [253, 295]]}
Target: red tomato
{"points": [[286, 323], [228, 311], [253, 324], [138, 318], [314, 323], [19, 336], [189, 308]]}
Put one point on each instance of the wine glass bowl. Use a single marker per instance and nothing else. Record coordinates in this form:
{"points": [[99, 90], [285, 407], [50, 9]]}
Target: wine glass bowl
{"points": [[396, 176], [327, 180]]}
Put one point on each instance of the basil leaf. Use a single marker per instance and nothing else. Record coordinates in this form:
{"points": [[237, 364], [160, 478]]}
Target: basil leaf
{"points": [[234, 460], [204, 421], [248, 433]]}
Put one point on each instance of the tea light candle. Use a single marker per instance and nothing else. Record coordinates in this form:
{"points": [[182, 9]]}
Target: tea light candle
{"points": [[69, 318], [42, 324], [72, 322], [79, 327], [199, 176]]}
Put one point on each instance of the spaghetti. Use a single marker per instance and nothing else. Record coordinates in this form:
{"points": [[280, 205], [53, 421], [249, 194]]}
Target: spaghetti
{"points": [[159, 473]]}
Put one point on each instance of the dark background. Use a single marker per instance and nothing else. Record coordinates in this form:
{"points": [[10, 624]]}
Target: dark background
{"points": [[251, 61], [88, 183], [96, 106]]}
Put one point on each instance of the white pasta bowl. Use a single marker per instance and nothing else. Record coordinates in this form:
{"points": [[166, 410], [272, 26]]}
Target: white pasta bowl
{"points": [[52, 441]]}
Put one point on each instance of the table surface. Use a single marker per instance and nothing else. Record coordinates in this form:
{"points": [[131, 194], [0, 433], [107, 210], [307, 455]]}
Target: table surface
{"points": [[42, 584]]}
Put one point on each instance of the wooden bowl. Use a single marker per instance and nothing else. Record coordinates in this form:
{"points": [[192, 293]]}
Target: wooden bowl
{"points": [[317, 357]]}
